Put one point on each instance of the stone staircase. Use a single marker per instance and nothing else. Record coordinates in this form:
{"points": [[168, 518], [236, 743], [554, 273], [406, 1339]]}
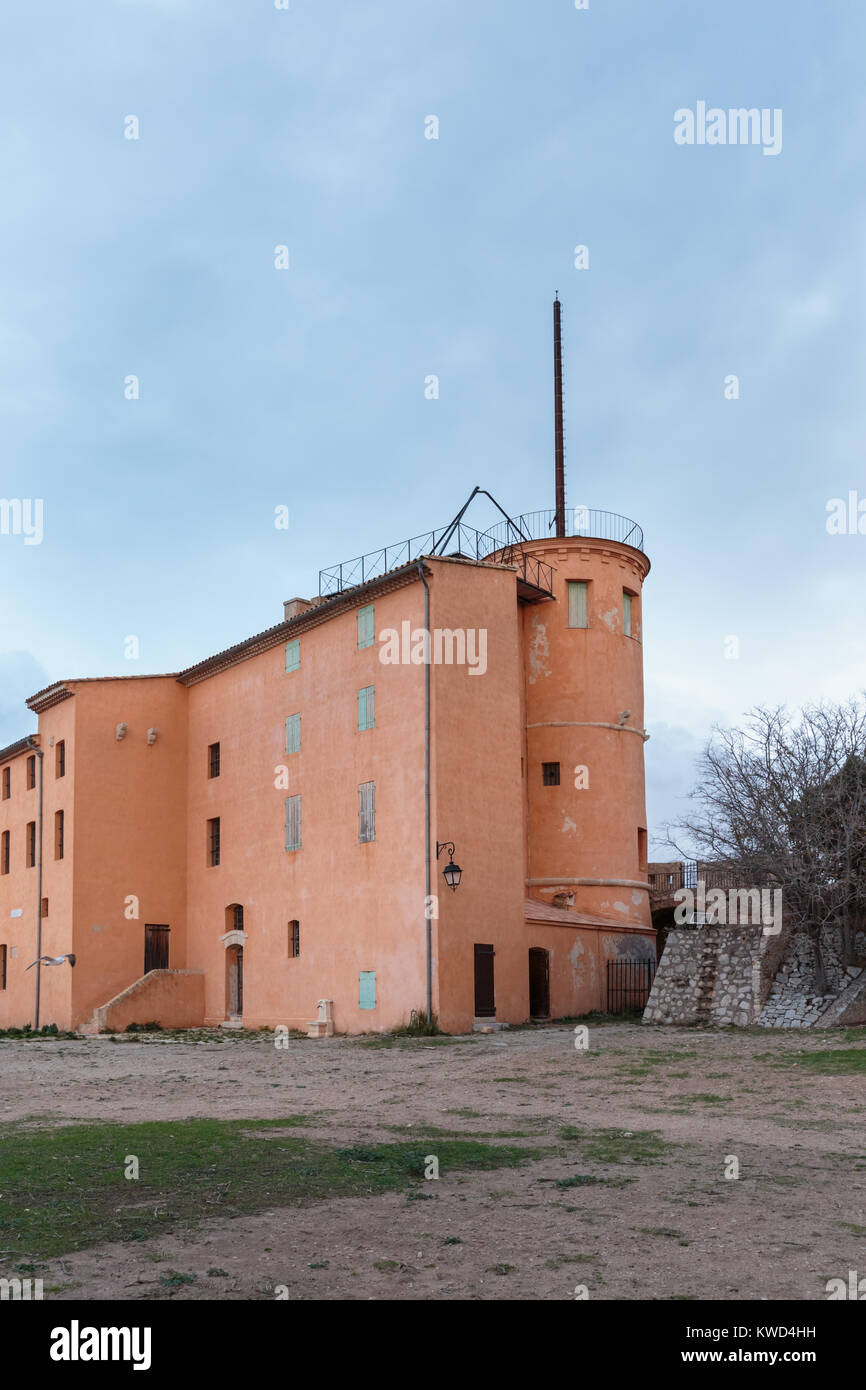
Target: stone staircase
{"points": [[172, 998], [708, 970]]}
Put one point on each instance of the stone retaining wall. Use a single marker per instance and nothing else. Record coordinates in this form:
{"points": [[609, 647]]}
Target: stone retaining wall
{"points": [[708, 974], [737, 975]]}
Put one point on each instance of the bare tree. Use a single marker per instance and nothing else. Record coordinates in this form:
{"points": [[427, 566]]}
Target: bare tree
{"points": [[783, 800]]}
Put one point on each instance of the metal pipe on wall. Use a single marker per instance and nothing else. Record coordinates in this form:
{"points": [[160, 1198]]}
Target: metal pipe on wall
{"points": [[40, 755]]}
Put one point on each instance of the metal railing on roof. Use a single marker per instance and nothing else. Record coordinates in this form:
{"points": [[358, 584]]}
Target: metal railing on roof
{"points": [[579, 521], [505, 540], [464, 541]]}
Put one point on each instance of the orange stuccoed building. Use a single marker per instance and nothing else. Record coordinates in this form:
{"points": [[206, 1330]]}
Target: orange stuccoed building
{"points": [[262, 839]]}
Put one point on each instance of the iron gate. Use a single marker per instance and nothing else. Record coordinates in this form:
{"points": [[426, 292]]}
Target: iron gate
{"points": [[628, 985]]}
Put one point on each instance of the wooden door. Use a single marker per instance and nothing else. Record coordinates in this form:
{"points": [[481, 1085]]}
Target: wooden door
{"points": [[235, 992], [539, 982], [155, 948], [485, 998]]}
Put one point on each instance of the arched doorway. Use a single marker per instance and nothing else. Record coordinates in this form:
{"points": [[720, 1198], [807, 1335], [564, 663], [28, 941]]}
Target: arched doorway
{"points": [[539, 982], [235, 981], [233, 940]]}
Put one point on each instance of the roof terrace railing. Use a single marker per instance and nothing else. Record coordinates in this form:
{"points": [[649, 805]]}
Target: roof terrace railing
{"points": [[463, 541], [579, 521], [507, 536]]}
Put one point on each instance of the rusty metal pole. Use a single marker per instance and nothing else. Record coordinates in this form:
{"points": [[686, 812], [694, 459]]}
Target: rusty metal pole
{"points": [[40, 755], [559, 442]]}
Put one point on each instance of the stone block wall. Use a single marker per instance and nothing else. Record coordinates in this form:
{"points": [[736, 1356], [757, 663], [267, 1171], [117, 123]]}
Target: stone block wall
{"points": [[707, 975], [737, 975], [793, 1000]]}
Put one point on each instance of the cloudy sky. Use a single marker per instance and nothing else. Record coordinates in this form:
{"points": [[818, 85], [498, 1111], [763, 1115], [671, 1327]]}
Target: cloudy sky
{"points": [[259, 387]]}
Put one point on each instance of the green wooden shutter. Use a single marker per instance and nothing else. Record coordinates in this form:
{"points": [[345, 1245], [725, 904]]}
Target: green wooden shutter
{"points": [[293, 733], [366, 626], [626, 613], [577, 605], [293, 822], [293, 654], [367, 989], [367, 812], [366, 708]]}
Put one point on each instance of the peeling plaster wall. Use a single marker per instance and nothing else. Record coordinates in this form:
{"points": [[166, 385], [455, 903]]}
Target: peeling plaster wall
{"points": [[583, 833], [578, 963]]}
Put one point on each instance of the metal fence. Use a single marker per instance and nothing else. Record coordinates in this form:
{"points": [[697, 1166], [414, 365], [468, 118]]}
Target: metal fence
{"points": [[579, 521], [664, 883], [460, 539], [628, 985], [454, 540], [334, 580]]}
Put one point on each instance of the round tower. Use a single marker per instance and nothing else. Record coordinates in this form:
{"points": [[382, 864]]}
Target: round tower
{"points": [[584, 731]]}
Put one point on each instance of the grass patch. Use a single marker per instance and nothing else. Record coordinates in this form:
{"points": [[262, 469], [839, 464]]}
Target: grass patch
{"points": [[644, 1146], [559, 1260], [65, 1189], [405, 1038], [419, 1026], [437, 1132], [589, 1180], [173, 1280], [835, 1062], [26, 1034], [190, 1036]]}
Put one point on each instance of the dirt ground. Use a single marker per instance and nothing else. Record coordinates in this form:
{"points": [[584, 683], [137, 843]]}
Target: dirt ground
{"points": [[670, 1228]]}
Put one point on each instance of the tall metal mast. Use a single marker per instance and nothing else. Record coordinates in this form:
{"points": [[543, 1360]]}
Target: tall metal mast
{"points": [[559, 441]]}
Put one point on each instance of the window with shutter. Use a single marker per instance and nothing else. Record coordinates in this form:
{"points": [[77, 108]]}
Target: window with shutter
{"points": [[293, 733], [293, 654], [366, 631], [578, 615], [293, 822], [626, 613], [366, 708], [367, 812]]}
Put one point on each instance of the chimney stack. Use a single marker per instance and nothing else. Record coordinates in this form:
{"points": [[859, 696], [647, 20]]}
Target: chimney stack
{"points": [[293, 606]]}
